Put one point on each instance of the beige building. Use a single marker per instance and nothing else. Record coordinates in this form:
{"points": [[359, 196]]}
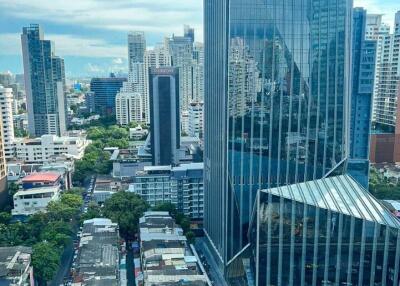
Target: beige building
{"points": [[3, 169]]}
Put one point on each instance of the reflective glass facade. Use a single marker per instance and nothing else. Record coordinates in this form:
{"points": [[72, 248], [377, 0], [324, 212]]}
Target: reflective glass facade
{"points": [[276, 104], [44, 83], [326, 232], [363, 75]]}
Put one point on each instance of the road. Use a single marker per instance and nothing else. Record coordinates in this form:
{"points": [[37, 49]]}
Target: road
{"points": [[130, 267], [213, 272], [63, 273]]}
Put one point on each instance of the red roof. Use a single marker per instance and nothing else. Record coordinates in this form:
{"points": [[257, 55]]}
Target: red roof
{"points": [[41, 177]]}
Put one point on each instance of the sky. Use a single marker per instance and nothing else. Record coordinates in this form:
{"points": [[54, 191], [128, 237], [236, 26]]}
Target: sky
{"points": [[91, 35]]}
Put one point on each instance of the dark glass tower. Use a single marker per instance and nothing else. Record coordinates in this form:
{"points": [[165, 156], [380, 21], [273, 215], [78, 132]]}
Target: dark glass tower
{"points": [[105, 90], [164, 115], [44, 84], [277, 82], [363, 75]]}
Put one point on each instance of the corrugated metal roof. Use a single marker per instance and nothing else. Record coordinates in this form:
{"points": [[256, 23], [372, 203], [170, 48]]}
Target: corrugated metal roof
{"points": [[340, 194]]}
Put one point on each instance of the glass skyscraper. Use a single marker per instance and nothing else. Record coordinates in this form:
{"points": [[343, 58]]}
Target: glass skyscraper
{"points": [[44, 84], [363, 75], [276, 104]]}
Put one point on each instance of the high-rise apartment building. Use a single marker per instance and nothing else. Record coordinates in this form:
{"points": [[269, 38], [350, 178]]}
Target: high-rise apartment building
{"points": [[277, 96], [363, 75], [6, 105], [44, 84], [196, 120], [3, 169], [105, 90], [128, 107], [387, 77], [136, 48], [164, 115]]}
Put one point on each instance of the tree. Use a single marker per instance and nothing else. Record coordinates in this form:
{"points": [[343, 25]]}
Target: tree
{"points": [[72, 200], [93, 211], [190, 235], [125, 208], [5, 217], [45, 261]]}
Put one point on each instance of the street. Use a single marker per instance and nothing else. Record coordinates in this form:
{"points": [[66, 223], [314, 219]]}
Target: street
{"points": [[63, 274]]}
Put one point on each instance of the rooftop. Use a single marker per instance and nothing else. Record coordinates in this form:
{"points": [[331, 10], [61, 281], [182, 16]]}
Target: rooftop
{"points": [[14, 259], [41, 177], [341, 194]]}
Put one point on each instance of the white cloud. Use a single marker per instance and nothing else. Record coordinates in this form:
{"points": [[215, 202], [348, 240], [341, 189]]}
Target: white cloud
{"points": [[386, 7], [118, 61], [161, 16], [68, 45]]}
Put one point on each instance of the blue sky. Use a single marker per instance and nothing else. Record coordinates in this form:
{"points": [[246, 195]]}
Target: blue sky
{"points": [[91, 34]]}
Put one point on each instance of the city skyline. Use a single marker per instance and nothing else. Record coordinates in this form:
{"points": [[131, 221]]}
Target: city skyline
{"points": [[92, 37]]}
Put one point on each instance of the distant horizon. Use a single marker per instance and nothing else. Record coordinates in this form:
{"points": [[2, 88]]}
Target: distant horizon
{"points": [[92, 36]]}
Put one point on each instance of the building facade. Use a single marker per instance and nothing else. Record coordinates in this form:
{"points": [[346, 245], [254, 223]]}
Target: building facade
{"points": [[31, 201], [44, 84], [48, 147], [164, 119], [324, 232], [388, 79], [105, 90], [3, 170], [6, 104], [196, 120], [181, 186], [128, 107], [287, 120], [136, 48], [363, 75]]}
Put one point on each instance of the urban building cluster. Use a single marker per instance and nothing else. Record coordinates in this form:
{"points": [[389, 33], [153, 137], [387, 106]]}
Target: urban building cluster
{"points": [[262, 139], [165, 256]]}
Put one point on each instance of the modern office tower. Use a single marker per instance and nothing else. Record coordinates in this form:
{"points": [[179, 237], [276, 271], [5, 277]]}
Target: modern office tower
{"points": [[181, 50], [387, 79], [164, 115], [363, 75], [44, 84], [105, 90], [324, 232], [196, 121], [136, 47], [3, 170], [6, 104], [128, 107], [289, 120]]}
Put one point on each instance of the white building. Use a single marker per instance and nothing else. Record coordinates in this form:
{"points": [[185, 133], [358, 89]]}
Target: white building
{"points": [[6, 105], [185, 122], [387, 69], [47, 147], [31, 201], [196, 120], [129, 107], [181, 185]]}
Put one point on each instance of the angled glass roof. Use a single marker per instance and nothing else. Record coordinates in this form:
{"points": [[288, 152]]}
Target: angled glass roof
{"points": [[340, 194]]}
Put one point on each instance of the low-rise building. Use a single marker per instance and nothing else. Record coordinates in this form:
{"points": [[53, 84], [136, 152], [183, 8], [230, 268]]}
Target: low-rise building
{"points": [[165, 257], [181, 185], [41, 179], [15, 266], [46, 147], [17, 171], [31, 201], [138, 133], [126, 162], [98, 254]]}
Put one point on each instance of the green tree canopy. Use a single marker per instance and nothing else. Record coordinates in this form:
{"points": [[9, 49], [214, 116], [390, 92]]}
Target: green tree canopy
{"points": [[125, 208], [45, 261]]}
